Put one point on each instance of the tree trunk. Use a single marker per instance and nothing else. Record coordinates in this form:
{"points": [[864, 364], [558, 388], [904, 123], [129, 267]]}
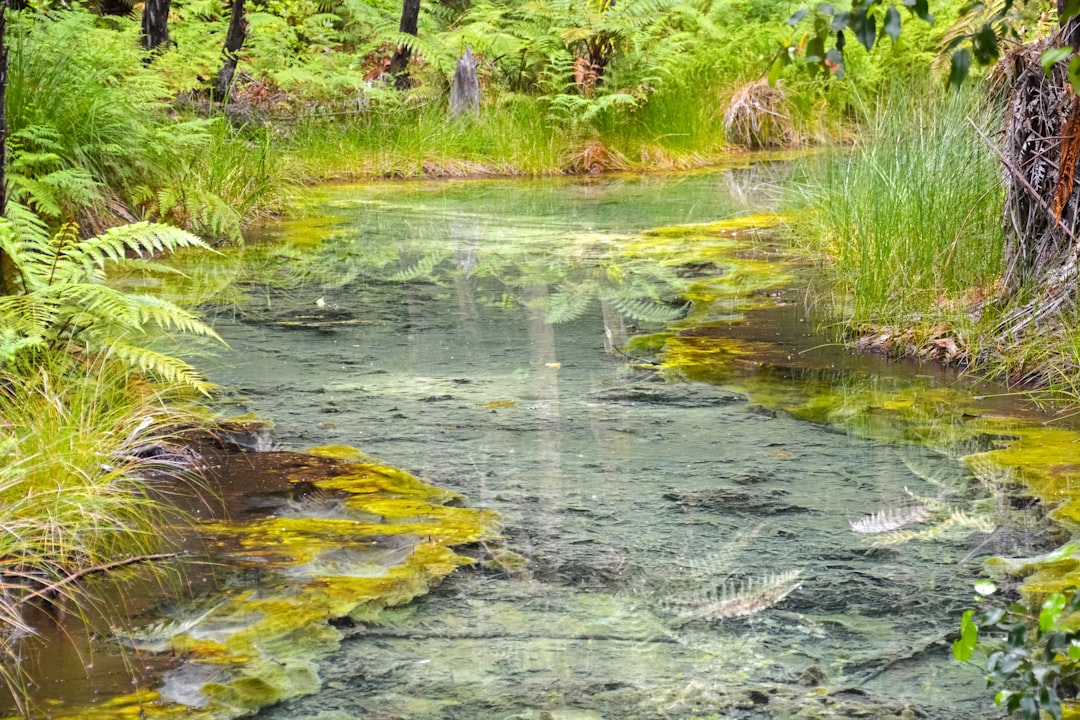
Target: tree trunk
{"points": [[155, 24], [465, 92], [1042, 209], [234, 40], [399, 64]]}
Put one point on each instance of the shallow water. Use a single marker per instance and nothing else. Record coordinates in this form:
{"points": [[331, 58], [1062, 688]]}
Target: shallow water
{"points": [[464, 332]]}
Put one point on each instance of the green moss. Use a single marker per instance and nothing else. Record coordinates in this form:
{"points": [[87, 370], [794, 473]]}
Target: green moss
{"points": [[315, 570]]}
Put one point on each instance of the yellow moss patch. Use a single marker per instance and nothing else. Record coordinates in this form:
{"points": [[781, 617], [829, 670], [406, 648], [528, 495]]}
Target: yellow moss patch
{"points": [[313, 570], [721, 227]]}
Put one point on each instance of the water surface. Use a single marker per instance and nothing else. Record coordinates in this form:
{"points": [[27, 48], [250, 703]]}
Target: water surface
{"points": [[469, 333]]}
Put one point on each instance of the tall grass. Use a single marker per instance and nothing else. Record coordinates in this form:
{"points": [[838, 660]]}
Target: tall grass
{"points": [[73, 498], [910, 215]]}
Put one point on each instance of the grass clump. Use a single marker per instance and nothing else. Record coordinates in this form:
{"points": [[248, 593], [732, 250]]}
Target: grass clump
{"points": [[75, 439], [909, 216]]}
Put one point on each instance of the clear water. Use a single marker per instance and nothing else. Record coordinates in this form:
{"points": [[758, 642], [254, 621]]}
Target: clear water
{"points": [[413, 321]]}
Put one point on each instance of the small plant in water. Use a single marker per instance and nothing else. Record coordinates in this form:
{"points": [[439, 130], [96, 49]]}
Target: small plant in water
{"points": [[1032, 650]]}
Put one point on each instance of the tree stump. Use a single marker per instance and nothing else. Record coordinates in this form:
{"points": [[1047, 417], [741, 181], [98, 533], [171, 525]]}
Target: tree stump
{"points": [[465, 92]]}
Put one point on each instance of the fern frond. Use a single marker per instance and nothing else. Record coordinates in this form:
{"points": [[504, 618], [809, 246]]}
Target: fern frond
{"points": [[643, 309], [422, 267], [736, 599], [889, 519], [563, 307], [162, 366]]}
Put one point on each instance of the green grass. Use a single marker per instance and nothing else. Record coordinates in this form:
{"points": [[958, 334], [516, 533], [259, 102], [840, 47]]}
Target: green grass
{"points": [[71, 485], [910, 215]]}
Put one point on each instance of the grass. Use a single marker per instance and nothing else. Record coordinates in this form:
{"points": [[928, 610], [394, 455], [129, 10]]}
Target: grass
{"points": [[909, 222], [909, 216], [73, 486]]}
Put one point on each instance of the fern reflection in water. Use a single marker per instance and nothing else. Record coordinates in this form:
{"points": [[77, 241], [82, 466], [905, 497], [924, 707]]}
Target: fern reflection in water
{"points": [[936, 513]]}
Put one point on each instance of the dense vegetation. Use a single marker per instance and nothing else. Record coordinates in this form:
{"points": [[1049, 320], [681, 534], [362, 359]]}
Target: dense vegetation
{"points": [[115, 153]]}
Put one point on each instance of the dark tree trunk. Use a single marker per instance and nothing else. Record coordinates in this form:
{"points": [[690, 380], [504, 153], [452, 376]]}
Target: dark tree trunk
{"points": [[234, 40], [155, 23], [399, 64]]}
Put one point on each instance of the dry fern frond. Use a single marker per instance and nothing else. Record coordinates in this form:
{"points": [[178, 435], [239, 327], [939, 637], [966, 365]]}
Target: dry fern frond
{"points": [[889, 519]]}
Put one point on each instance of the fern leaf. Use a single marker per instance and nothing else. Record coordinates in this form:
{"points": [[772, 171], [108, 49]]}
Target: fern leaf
{"points": [[567, 306], [890, 519], [160, 365], [737, 599], [422, 267]]}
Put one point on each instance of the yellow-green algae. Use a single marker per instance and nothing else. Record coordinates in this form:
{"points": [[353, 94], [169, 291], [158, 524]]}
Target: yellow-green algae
{"points": [[1002, 449], [259, 646]]}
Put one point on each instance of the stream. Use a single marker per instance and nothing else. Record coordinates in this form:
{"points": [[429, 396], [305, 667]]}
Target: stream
{"points": [[649, 489], [471, 333]]}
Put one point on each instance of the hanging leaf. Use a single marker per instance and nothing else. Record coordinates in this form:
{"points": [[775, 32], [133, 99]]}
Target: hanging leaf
{"points": [[969, 636], [797, 17], [959, 67], [1053, 56], [777, 67], [921, 8], [892, 23], [834, 60], [985, 43], [841, 19], [1074, 73], [865, 28]]}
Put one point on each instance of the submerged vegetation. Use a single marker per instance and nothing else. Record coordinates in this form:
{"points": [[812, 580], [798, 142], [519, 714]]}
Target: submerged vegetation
{"points": [[124, 142]]}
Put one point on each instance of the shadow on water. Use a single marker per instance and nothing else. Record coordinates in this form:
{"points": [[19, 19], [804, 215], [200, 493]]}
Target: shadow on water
{"points": [[669, 547]]}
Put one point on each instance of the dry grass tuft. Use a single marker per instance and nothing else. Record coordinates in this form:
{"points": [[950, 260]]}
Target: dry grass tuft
{"points": [[759, 117], [593, 157]]}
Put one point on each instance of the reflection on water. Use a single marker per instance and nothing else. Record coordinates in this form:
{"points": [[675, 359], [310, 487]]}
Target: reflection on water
{"points": [[689, 553]]}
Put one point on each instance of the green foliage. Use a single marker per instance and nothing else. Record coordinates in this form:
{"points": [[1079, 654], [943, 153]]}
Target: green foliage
{"points": [[976, 35], [70, 487], [57, 300], [1032, 651], [906, 232]]}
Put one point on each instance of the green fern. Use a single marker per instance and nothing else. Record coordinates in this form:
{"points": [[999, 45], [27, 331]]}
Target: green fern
{"points": [[422, 268], [642, 309], [57, 301], [568, 305]]}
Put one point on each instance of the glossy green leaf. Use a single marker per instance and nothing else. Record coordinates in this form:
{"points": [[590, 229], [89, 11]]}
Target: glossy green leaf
{"points": [[892, 23], [1074, 73], [969, 636], [959, 66], [865, 28], [1051, 610], [1051, 57], [797, 17]]}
